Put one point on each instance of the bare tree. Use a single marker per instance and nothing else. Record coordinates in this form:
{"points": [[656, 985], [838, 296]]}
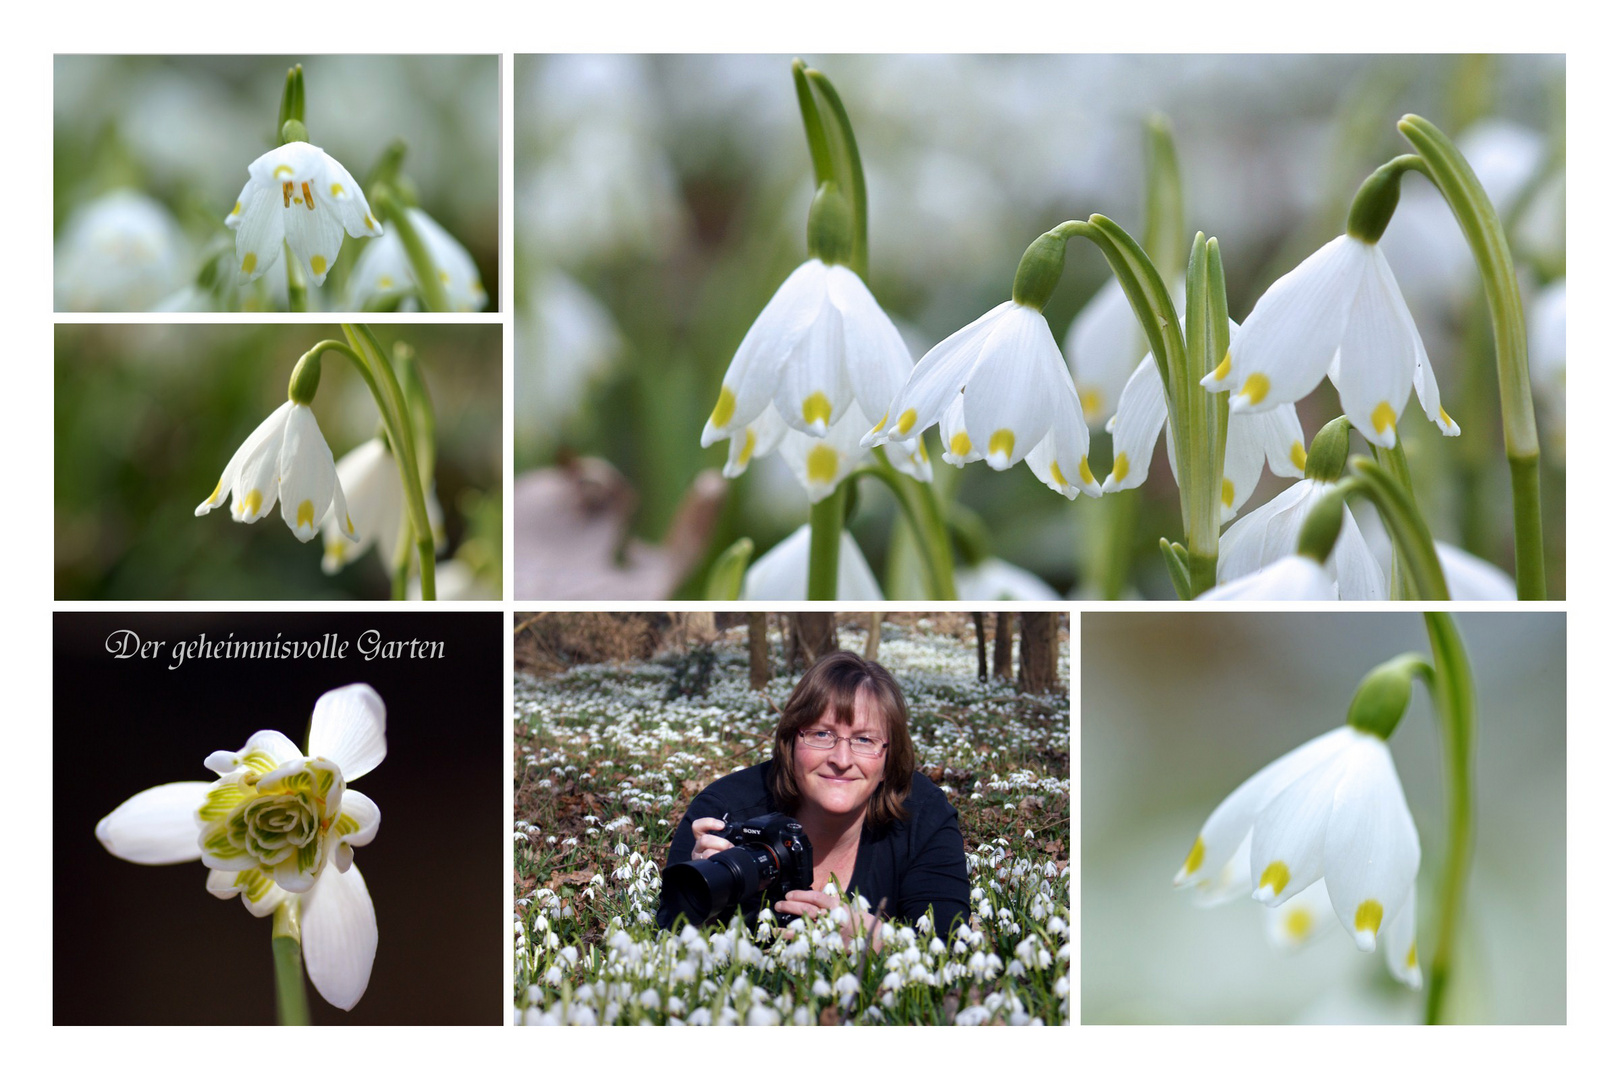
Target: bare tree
{"points": [[978, 635], [817, 632], [759, 649], [874, 634], [1004, 643], [1037, 660]]}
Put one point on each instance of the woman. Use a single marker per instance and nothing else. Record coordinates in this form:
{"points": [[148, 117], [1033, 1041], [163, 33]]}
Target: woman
{"points": [[842, 766]]}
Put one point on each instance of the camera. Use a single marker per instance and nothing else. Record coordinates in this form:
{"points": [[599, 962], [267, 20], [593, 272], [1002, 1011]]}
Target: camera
{"points": [[770, 854]]}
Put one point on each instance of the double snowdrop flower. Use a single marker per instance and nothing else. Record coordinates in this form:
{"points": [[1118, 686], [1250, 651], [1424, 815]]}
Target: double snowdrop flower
{"points": [[1253, 440], [285, 459], [1331, 811], [1000, 392], [1340, 314], [812, 375], [384, 269], [279, 827], [298, 193]]}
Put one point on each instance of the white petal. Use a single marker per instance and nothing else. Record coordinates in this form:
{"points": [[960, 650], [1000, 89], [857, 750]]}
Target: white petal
{"points": [[156, 827], [248, 884], [1230, 825], [1058, 460], [1468, 577], [1288, 835], [760, 437], [1007, 402], [1251, 543], [259, 232], [1286, 344], [307, 473], [375, 505], [256, 487], [876, 361], [813, 393], [348, 728], [820, 464], [1359, 574], [1136, 427], [1400, 945], [272, 744], [1372, 844], [1376, 358], [938, 377], [783, 573], [340, 936], [953, 436], [458, 274], [314, 234], [340, 193], [1103, 345], [366, 818], [756, 368], [1229, 882], [268, 432], [994, 579], [1300, 918], [1296, 577]]}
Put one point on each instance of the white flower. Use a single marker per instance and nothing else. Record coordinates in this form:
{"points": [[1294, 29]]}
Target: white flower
{"points": [[298, 193], [1330, 810], [1469, 577], [121, 252], [1252, 440], [783, 573], [279, 827], [1340, 314], [995, 579], [384, 270], [999, 390], [1104, 344], [1294, 577], [285, 458], [369, 477], [813, 374], [1270, 533]]}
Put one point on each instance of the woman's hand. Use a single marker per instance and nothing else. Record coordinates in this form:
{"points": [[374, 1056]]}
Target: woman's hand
{"points": [[707, 845], [808, 903]]}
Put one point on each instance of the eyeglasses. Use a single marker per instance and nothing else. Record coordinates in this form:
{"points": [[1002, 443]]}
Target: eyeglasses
{"points": [[859, 745]]}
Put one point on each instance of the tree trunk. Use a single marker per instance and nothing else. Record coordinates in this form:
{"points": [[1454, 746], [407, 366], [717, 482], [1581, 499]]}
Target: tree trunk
{"points": [[1037, 660], [1004, 639], [978, 635], [874, 634], [759, 649], [695, 628], [817, 632]]}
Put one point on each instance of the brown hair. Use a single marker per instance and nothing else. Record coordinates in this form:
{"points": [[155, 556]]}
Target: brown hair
{"points": [[832, 683]]}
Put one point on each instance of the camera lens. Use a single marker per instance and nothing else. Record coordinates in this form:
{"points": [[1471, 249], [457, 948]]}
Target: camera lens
{"points": [[700, 890]]}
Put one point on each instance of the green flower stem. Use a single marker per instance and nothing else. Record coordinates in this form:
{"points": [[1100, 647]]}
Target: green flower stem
{"points": [[815, 132], [292, 1007], [410, 469], [1487, 240], [924, 513], [1111, 536], [297, 285], [428, 285], [292, 101], [1407, 529], [1393, 461], [826, 532], [1201, 442], [1456, 708], [1162, 238]]}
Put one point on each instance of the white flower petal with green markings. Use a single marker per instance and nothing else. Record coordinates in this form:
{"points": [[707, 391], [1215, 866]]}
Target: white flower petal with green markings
{"points": [[299, 193], [1058, 459], [783, 573], [307, 474], [349, 728], [157, 827], [953, 436], [259, 892], [761, 436], [264, 752], [1372, 846], [1228, 882], [340, 936], [363, 814]]}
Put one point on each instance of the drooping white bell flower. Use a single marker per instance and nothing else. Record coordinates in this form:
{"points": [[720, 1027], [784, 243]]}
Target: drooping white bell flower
{"points": [[280, 827], [1253, 440], [1293, 577], [121, 252], [783, 573], [298, 193], [384, 269], [1331, 810], [1270, 533], [285, 459], [1340, 314], [1104, 344], [369, 476], [1000, 392]]}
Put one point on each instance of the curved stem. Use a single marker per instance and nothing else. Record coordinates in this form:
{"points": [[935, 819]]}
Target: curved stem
{"points": [[826, 533], [919, 502], [1407, 529], [1481, 226], [1456, 709], [292, 1006], [1393, 459]]}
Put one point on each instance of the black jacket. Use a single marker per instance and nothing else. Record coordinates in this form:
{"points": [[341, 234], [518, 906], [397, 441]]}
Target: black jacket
{"points": [[906, 866]]}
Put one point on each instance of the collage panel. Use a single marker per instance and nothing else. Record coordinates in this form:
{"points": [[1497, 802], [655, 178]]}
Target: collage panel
{"points": [[1028, 327], [267, 758], [170, 439], [264, 183], [794, 818], [1391, 788]]}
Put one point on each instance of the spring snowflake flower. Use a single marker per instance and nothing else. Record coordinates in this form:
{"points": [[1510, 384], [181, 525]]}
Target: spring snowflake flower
{"points": [[783, 573], [1340, 314], [1270, 533], [1000, 392], [122, 252], [280, 827], [298, 193], [285, 458], [1293, 577], [384, 270], [375, 507], [1331, 810], [996, 579], [812, 375], [1253, 440]]}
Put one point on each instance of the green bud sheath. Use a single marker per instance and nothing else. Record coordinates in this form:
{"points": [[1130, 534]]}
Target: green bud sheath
{"points": [[1321, 529], [831, 230], [1039, 271], [1331, 446], [1375, 202], [306, 379], [1382, 697], [294, 131]]}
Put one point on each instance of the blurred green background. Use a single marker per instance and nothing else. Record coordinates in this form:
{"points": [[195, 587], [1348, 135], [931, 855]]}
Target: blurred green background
{"points": [[661, 200], [183, 129], [1178, 710], [146, 418]]}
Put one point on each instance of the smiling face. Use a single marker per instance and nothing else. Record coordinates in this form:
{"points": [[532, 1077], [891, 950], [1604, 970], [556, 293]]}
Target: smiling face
{"points": [[839, 782]]}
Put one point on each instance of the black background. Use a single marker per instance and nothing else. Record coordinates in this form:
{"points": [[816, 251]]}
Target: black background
{"points": [[148, 945]]}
